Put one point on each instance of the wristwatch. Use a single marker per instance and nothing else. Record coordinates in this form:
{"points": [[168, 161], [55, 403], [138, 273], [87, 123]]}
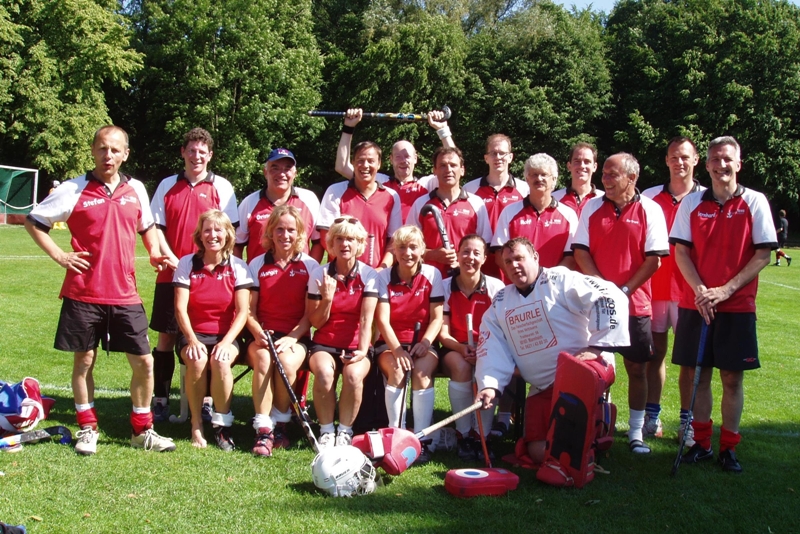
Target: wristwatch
{"points": [[626, 290]]}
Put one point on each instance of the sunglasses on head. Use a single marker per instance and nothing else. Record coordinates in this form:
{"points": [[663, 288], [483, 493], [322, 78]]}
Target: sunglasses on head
{"points": [[351, 220]]}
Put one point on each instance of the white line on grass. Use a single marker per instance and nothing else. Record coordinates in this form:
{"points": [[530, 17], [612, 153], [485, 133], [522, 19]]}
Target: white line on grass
{"points": [[780, 285], [107, 392]]}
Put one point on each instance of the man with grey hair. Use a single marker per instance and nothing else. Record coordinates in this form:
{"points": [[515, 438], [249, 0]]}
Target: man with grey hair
{"points": [[547, 223], [620, 238], [723, 238]]}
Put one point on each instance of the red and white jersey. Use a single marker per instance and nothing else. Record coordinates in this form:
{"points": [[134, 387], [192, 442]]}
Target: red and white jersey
{"points": [[255, 209], [177, 206], [409, 191], [667, 282], [550, 231], [410, 303], [104, 224], [465, 215], [380, 215], [723, 238], [570, 198], [563, 311], [496, 200], [342, 327], [212, 302], [620, 240], [281, 291], [457, 305]]}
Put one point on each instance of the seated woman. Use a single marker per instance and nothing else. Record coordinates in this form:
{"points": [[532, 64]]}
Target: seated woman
{"points": [[343, 297], [212, 296], [278, 305], [469, 292], [409, 292]]}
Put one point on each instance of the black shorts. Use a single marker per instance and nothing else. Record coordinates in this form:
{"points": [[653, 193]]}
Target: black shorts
{"points": [[163, 317], [641, 349], [731, 344], [336, 353], [83, 326], [209, 340]]}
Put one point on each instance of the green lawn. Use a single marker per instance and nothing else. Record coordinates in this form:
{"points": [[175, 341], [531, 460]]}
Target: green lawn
{"points": [[49, 488]]}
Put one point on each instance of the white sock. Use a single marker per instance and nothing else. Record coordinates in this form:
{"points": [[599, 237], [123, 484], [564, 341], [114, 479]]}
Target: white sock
{"points": [[394, 405], [142, 409], [279, 416], [262, 420], [83, 407], [505, 418], [346, 429], [327, 429], [423, 408], [635, 424], [222, 419], [460, 398]]}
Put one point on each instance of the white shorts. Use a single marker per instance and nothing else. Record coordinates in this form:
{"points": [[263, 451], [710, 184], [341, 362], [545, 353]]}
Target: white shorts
{"points": [[665, 314]]}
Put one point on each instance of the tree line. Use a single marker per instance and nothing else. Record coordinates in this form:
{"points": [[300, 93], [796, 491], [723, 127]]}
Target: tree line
{"points": [[249, 70]]}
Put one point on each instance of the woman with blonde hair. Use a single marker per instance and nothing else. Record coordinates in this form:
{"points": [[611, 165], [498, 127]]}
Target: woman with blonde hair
{"points": [[343, 295], [409, 292], [278, 305], [212, 295]]}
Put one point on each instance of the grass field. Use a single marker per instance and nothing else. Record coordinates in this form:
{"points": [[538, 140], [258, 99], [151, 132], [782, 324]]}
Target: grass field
{"points": [[49, 488]]}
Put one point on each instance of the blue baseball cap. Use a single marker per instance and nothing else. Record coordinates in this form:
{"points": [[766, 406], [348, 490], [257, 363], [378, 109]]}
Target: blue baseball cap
{"points": [[280, 153]]}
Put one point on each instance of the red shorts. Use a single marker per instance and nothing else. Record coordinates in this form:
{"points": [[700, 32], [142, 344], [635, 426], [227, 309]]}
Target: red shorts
{"points": [[537, 415]]}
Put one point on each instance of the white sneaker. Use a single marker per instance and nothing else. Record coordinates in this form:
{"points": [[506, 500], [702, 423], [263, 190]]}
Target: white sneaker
{"points": [[149, 440], [689, 434], [326, 441], [652, 427], [86, 441], [343, 438]]}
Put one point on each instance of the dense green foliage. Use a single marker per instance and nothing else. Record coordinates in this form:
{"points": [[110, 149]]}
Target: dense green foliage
{"points": [[545, 75]]}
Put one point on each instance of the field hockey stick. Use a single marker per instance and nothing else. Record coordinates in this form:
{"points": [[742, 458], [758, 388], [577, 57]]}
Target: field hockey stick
{"points": [[701, 349], [371, 249], [302, 414], [444, 422], [471, 344], [36, 435], [404, 117], [439, 221], [407, 378]]}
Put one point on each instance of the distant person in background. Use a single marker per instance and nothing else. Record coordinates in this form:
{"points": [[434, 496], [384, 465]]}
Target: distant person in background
{"points": [[783, 236], [582, 165], [58, 225]]}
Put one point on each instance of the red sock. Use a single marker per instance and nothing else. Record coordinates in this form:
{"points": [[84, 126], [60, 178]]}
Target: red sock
{"points": [[141, 422], [728, 440], [87, 418], [702, 433]]}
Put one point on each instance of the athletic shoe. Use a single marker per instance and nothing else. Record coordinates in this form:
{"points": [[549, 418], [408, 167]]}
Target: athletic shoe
{"points": [[466, 449], [479, 451], [279, 436], [207, 412], [326, 441], [343, 438], [638, 446], [728, 461], [223, 436], [697, 454], [777, 263], [652, 427], [689, 435], [499, 430], [160, 412], [265, 440], [447, 439], [149, 440], [87, 441], [424, 454], [788, 261]]}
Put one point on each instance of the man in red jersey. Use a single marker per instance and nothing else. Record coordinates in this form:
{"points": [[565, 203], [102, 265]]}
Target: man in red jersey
{"points": [[497, 189], [280, 171], [582, 165], [723, 237], [177, 205], [666, 283], [104, 210], [620, 238]]}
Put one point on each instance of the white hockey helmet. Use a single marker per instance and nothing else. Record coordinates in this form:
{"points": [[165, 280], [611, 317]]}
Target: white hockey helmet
{"points": [[343, 472]]}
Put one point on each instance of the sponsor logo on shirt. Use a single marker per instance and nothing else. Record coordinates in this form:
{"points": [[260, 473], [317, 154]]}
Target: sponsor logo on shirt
{"points": [[267, 274], [393, 294], [632, 221], [95, 202], [525, 222], [297, 271], [512, 198], [548, 224], [711, 215], [731, 213], [262, 216], [465, 212], [203, 195], [124, 199]]}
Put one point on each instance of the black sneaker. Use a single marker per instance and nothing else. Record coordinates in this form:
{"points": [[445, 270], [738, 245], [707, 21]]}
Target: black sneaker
{"points": [[466, 449], [788, 261], [697, 454], [499, 430], [728, 461], [222, 434], [424, 454], [479, 451]]}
